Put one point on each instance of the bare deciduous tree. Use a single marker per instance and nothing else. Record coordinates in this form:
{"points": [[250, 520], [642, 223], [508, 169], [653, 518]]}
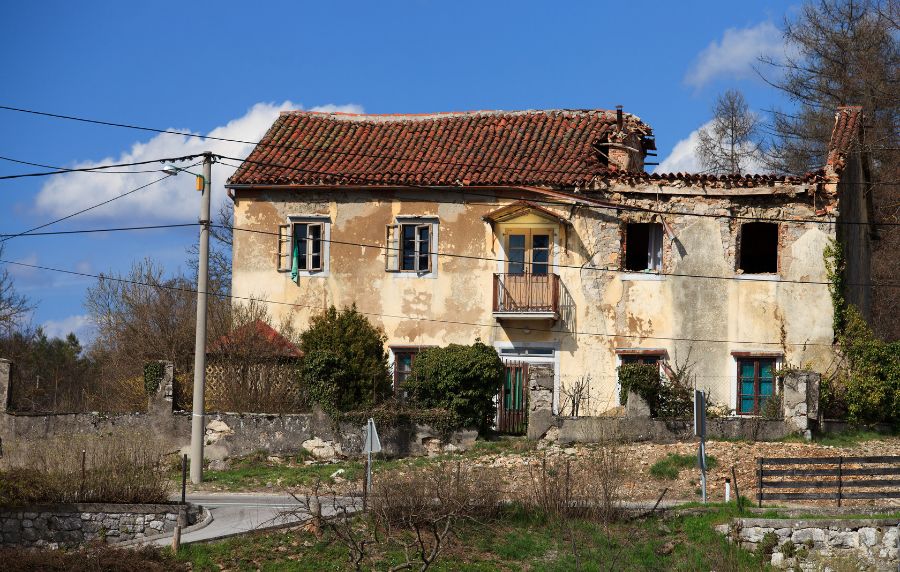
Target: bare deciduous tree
{"points": [[846, 52], [14, 307], [730, 144], [839, 52], [145, 315]]}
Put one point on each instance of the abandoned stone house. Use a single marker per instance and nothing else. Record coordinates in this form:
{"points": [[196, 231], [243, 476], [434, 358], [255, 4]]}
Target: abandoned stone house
{"points": [[541, 233]]}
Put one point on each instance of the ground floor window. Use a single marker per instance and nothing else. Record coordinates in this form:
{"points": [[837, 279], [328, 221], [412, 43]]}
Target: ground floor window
{"points": [[650, 359], [628, 356], [756, 384], [403, 365]]}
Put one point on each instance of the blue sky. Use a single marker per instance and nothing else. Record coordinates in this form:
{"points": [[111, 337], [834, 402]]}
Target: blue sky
{"points": [[227, 68]]}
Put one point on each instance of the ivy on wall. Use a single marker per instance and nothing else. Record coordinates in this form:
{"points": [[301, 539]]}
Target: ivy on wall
{"points": [[153, 374], [835, 264]]}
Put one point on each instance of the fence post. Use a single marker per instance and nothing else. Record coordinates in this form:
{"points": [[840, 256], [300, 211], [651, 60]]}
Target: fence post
{"points": [[183, 477], [737, 493], [759, 480], [81, 489], [840, 476]]}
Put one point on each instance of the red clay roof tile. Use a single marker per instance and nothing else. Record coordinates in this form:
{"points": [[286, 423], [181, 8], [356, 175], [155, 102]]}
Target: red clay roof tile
{"points": [[553, 147]]}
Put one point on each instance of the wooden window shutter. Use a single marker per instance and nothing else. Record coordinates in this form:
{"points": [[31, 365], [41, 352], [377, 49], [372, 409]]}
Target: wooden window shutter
{"points": [[315, 232], [283, 262], [392, 248], [423, 248]]}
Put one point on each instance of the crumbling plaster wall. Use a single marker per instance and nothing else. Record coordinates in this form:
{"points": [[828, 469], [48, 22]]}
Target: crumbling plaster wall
{"points": [[605, 309]]}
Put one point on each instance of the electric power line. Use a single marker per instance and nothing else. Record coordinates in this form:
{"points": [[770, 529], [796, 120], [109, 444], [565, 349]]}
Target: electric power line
{"points": [[747, 278], [276, 145], [117, 197], [282, 146], [96, 230], [403, 317], [580, 198], [97, 169]]}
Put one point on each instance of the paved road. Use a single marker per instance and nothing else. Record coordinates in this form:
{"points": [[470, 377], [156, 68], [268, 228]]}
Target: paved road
{"points": [[236, 513]]}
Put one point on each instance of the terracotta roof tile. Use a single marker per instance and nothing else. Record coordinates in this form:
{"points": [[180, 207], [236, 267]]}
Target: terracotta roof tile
{"points": [[847, 123], [553, 148]]}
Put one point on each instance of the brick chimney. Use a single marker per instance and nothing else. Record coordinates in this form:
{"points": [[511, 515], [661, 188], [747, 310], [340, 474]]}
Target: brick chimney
{"points": [[625, 148]]}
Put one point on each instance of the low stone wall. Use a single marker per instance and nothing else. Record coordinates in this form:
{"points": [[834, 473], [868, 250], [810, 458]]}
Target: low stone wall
{"points": [[67, 525], [801, 543], [229, 434], [637, 425], [598, 429]]}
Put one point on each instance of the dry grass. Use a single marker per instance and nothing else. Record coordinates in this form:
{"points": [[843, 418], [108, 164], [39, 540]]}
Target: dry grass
{"points": [[125, 467], [91, 559]]}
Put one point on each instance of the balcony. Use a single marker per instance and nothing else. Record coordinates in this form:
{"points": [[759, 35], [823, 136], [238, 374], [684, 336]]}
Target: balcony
{"points": [[526, 296]]}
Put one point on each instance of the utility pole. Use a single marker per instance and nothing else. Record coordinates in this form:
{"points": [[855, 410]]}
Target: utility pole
{"points": [[197, 424]]}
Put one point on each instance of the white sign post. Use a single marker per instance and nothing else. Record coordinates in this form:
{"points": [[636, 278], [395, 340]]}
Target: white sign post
{"points": [[700, 431], [372, 445]]}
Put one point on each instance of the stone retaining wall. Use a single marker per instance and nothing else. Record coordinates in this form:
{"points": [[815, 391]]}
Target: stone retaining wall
{"points": [[66, 525], [804, 544], [799, 392]]}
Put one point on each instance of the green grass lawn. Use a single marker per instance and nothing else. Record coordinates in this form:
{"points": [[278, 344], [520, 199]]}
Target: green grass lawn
{"points": [[669, 466], [515, 542]]}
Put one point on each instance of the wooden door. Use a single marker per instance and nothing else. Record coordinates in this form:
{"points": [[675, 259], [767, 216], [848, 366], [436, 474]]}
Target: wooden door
{"points": [[512, 402]]}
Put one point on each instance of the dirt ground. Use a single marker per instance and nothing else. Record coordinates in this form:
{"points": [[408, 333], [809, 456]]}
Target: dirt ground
{"points": [[515, 459], [640, 457]]}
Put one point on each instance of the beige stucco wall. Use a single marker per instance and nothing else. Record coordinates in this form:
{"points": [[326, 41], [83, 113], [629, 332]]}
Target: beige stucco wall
{"points": [[697, 319]]}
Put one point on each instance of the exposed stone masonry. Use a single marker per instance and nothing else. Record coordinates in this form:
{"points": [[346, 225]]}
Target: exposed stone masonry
{"points": [[801, 544], [65, 525]]}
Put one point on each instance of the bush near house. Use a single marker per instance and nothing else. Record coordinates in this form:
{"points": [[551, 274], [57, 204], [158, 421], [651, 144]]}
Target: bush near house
{"points": [[460, 379], [870, 386], [667, 399], [345, 365]]}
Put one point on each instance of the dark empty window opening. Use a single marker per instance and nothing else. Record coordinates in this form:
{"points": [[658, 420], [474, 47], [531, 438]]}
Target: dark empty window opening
{"points": [[643, 247], [759, 248]]}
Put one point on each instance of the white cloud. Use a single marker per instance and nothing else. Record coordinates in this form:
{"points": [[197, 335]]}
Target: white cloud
{"points": [[173, 199], [736, 53], [683, 158], [81, 325]]}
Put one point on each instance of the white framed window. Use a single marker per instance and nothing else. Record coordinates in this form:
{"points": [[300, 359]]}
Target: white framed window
{"points": [[411, 246], [304, 246], [643, 247]]}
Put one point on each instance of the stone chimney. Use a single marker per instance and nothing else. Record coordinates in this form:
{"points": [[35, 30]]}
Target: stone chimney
{"points": [[625, 148]]}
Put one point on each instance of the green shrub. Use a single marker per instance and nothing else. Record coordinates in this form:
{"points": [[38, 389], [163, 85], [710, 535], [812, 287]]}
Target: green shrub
{"points": [[460, 379], [872, 384], [393, 414], [666, 399], [768, 544], [344, 363]]}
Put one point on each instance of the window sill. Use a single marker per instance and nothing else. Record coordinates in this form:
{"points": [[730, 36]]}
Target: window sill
{"points": [[305, 274], [759, 277], [413, 275], [642, 277]]}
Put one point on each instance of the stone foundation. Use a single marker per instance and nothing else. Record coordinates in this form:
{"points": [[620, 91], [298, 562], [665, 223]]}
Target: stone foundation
{"points": [[805, 544], [67, 525]]}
